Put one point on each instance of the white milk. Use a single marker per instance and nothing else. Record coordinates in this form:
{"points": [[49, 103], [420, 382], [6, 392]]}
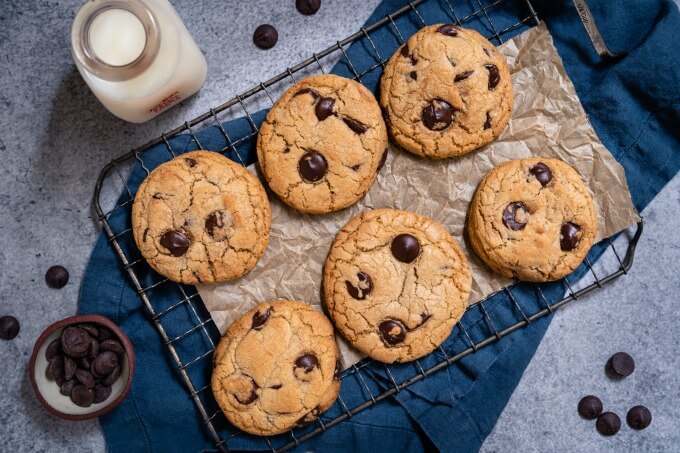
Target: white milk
{"points": [[136, 56]]}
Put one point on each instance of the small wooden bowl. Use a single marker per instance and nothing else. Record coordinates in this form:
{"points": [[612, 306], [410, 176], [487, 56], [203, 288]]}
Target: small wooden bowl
{"points": [[48, 392]]}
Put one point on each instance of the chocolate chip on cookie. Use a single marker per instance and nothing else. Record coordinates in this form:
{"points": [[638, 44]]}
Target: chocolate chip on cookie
{"points": [[322, 143], [269, 380], [201, 218], [395, 283]]}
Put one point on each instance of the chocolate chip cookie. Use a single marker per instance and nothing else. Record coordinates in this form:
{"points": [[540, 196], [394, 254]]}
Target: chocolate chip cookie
{"points": [[446, 92], [201, 218], [395, 284], [276, 368], [322, 144], [532, 219]]}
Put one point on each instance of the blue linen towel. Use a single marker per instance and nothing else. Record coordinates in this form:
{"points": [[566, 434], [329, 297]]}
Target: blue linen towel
{"points": [[634, 106]]}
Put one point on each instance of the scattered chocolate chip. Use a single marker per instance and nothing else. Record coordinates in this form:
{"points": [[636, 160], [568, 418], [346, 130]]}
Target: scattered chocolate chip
{"points": [[82, 396], [307, 362], [190, 162], [75, 342], [355, 125], [487, 123], [113, 346], [55, 367], [570, 236], [405, 248], [324, 108], [590, 407], [494, 75], [311, 92], [101, 393], [463, 75], [608, 424], [70, 368], [56, 277], [392, 332], [105, 333], [515, 215], [449, 30], [9, 327], [620, 365], [383, 159], [90, 329], [85, 378], [437, 115], [94, 349], [542, 172], [259, 319], [307, 7], [104, 363], [312, 166], [67, 387], [363, 288], [265, 36], [53, 348], [251, 397], [176, 242], [112, 376], [639, 417]]}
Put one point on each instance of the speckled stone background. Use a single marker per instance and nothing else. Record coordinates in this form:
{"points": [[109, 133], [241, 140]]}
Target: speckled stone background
{"points": [[55, 137]]}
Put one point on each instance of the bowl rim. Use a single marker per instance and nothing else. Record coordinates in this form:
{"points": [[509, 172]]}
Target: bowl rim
{"points": [[82, 319]]}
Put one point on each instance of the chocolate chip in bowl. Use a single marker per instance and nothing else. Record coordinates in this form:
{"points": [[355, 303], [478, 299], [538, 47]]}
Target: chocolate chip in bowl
{"points": [[81, 367]]}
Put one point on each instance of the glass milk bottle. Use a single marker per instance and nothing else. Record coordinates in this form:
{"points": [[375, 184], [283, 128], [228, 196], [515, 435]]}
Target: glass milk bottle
{"points": [[136, 56]]}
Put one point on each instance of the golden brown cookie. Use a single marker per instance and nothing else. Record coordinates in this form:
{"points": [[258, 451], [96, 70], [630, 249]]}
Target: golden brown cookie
{"points": [[446, 92], [201, 218], [276, 368], [395, 284], [532, 219], [322, 144]]}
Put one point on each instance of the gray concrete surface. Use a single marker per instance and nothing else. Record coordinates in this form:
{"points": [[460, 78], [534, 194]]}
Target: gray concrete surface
{"points": [[55, 137]]}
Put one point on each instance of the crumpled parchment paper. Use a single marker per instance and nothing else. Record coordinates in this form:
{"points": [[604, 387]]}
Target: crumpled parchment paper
{"points": [[548, 120]]}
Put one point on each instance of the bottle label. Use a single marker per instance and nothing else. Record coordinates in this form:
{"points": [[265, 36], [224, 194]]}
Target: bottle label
{"points": [[165, 103]]}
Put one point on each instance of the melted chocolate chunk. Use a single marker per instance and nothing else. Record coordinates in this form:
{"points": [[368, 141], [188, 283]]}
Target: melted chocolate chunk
{"points": [[487, 123], [363, 289], [308, 7], [190, 162], [570, 236], [542, 172], [515, 215], [404, 51], [259, 319], [449, 30], [355, 125], [312, 166], [338, 369], [355, 167], [590, 407], [639, 417], [438, 115], [251, 397], [265, 36], [424, 317], [405, 248], [608, 424], [392, 332], [324, 108], [307, 362], [494, 75], [308, 418], [463, 75], [276, 386], [176, 242], [413, 75], [214, 221], [311, 92], [286, 151]]}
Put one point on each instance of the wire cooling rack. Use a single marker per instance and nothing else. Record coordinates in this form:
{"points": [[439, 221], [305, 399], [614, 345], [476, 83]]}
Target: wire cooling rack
{"points": [[368, 382]]}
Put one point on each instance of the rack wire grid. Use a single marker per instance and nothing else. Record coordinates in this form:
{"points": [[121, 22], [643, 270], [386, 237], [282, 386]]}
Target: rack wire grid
{"points": [[368, 382]]}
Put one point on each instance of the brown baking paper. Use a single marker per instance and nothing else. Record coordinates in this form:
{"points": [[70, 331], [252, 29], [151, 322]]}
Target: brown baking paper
{"points": [[548, 120]]}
